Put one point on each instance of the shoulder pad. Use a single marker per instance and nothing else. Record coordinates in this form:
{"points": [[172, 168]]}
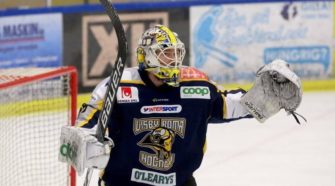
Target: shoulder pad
{"points": [[131, 75], [191, 73]]}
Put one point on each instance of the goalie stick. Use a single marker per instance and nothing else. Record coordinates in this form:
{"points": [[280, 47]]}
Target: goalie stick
{"points": [[115, 76]]}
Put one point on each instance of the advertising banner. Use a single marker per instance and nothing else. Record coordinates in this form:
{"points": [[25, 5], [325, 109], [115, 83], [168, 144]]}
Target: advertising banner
{"points": [[100, 42], [230, 42], [31, 40]]}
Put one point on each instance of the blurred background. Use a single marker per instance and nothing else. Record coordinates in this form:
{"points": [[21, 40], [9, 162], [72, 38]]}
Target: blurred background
{"points": [[227, 39]]}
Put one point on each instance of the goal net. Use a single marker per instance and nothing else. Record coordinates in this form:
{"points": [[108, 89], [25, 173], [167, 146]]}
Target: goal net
{"points": [[34, 104]]}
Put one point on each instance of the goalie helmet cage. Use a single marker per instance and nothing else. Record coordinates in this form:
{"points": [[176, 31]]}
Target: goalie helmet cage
{"points": [[34, 104]]}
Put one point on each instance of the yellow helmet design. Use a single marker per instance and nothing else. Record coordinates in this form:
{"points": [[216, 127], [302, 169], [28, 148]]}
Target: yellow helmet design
{"points": [[161, 52]]}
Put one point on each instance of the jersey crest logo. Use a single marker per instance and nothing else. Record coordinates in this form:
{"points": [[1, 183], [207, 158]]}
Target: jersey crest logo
{"points": [[127, 95], [161, 134], [160, 140]]}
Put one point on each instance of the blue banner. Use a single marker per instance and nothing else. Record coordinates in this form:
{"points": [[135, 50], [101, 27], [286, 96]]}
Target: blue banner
{"points": [[300, 54], [31, 40]]}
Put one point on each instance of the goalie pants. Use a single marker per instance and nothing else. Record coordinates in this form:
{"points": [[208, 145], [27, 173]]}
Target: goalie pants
{"points": [[190, 182]]}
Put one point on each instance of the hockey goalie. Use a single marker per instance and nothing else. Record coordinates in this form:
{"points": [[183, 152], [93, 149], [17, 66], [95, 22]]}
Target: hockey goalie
{"points": [[157, 133]]}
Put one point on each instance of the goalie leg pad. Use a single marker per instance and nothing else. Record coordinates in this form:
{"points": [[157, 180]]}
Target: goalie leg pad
{"points": [[80, 148]]}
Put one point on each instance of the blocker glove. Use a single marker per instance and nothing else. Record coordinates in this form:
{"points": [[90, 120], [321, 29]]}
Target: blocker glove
{"points": [[80, 148]]}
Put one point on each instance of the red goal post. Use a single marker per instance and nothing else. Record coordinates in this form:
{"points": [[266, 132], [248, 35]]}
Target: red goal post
{"points": [[34, 104]]}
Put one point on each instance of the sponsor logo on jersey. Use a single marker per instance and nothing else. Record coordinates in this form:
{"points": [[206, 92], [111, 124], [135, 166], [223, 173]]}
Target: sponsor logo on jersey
{"points": [[127, 95], [160, 136], [153, 178], [161, 109], [126, 92], [194, 92], [160, 100]]}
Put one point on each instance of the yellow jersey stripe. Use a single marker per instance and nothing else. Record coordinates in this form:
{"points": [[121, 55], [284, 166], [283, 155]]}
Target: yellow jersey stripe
{"points": [[133, 82], [204, 148], [224, 107], [89, 117]]}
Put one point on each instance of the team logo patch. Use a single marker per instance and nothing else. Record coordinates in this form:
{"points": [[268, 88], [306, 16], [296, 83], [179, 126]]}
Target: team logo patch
{"points": [[153, 178], [194, 92], [167, 109], [160, 136], [127, 95]]}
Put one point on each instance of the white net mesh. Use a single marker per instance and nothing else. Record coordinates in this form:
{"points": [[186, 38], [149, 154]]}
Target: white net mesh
{"points": [[31, 116]]}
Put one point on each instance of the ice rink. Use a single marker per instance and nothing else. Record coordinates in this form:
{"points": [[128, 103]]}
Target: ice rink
{"points": [[279, 152]]}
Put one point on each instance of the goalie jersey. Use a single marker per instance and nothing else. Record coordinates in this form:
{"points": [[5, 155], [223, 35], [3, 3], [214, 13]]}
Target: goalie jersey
{"points": [[160, 132]]}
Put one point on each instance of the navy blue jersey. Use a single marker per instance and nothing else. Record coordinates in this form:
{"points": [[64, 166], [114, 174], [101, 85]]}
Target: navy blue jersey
{"points": [[160, 132]]}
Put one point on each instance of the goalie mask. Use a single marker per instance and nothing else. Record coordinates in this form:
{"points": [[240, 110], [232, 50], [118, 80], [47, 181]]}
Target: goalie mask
{"points": [[161, 52]]}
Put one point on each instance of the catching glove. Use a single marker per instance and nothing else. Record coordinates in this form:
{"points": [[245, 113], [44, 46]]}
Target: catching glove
{"points": [[276, 87]]}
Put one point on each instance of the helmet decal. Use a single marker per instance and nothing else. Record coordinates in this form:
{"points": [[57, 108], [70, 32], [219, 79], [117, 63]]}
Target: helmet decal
{"points": [[140, 55], [170, 34]]}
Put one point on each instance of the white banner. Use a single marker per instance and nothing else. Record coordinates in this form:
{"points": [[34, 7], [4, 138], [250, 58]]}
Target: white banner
{"points": [[230, 42]]}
